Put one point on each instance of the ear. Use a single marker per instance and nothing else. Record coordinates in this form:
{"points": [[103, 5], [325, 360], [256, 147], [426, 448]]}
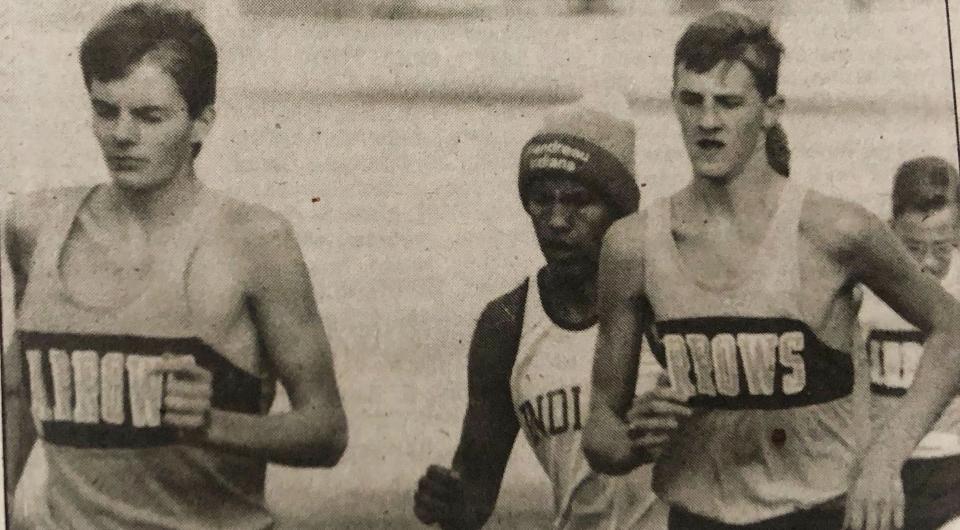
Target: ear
{"points": [[773, 108], [202, 124]]}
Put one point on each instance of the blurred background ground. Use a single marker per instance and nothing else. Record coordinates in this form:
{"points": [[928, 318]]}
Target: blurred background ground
{"points": [[389, 133]]}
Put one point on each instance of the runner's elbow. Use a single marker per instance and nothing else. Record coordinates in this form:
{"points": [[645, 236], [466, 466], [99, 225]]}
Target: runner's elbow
{"points": [[334, 444], [601, 455]]}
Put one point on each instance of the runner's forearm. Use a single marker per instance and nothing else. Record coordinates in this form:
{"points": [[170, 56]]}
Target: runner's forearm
{"points": [[19, 437], [300, 438], [935, 384], [606, 444]]}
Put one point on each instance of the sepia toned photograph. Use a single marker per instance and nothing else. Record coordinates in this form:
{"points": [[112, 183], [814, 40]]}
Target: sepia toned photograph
{"points": [[462, 264]]}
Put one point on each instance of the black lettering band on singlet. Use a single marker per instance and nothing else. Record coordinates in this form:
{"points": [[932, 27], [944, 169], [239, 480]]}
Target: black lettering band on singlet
{"points": [[95, 390], [751, 363], [894, 356]]}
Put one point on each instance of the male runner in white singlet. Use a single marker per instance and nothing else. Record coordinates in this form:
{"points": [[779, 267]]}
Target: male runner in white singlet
{"points": [[154, 315], [925, 217], [748, 278], [529, 362]]}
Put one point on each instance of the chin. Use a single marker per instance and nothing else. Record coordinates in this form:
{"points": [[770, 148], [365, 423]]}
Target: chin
{"points": [[573, 269], [713, 175], [136, 182]]}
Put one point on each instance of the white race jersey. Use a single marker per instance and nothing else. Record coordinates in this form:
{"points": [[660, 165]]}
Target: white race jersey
{"points": [[774, 428], [550, 387]]}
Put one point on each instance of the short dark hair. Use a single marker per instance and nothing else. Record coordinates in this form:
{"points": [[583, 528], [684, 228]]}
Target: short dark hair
{"points": [[924, 185], [178, 41], [728, 36]]}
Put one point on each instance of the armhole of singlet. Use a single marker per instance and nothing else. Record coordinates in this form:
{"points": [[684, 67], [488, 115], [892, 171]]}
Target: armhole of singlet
{"points": [[515, 302], [657, 213], [210, 204], [52, 234], [792, 217], [521, 312]]}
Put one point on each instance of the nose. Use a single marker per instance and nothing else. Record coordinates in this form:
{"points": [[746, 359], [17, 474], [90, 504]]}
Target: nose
{"points": [[708, 118], [558, 217], [929, 263], [126, 131]]}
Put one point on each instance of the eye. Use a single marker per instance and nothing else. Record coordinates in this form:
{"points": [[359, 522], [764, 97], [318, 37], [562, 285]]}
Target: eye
{"points": [[690, 99], [537, 198], [730, 102], [104, 110], [942, 248], [149, 116]]}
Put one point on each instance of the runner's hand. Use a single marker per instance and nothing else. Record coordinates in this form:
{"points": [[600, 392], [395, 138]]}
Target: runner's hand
{"points": [[653, 418], [875, 500], [187, 393], [440, 498]]}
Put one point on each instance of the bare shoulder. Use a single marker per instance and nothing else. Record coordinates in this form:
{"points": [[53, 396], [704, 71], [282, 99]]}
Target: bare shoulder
{"points": [[249, 223], [625, 238], [837, 225], [262, 240], [27, 213], [621, 258]]}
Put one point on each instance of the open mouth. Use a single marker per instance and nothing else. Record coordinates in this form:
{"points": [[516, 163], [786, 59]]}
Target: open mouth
{"points": [[122, 163], [709, 144]]}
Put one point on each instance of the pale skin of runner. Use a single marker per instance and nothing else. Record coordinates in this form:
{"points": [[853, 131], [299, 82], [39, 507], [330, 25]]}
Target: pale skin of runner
{"points": [[717, 221], [248, 278]]}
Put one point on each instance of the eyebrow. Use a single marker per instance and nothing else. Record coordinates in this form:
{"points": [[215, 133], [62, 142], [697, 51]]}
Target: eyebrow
{"points": [[715, 96], [150, 108]]}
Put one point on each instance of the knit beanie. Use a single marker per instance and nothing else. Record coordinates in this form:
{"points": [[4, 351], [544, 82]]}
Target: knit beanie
{"points": [[590, 145]]}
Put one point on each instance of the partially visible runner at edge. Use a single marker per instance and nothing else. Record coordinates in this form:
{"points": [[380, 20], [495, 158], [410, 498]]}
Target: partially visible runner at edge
{"points": [[925, 218], [154, 315]]}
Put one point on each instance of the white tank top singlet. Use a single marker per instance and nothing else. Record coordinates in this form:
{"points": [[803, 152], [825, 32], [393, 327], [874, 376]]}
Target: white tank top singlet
{"points": [[774, 421], [894, 348], [97, 410], [550, 387]]}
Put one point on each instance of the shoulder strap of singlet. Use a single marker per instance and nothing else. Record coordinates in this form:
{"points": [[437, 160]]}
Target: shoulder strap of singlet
{"points": [[657, 238], [502, 325], [54, 231], [192, 232], [792, 197], [784, 237]]}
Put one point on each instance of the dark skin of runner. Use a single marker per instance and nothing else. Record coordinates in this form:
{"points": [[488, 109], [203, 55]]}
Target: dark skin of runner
{"points": [[569, 220]]}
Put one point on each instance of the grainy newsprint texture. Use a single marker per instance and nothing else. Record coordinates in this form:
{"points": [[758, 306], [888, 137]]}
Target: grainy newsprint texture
{"points": [[363, 161]]}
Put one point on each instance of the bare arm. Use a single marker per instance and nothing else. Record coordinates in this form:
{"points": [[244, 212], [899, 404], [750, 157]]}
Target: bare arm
{"points": [[314, 432], [466, 497], [489, 426], [883, 264], [873, 255], [623, 317], [19, 432]]}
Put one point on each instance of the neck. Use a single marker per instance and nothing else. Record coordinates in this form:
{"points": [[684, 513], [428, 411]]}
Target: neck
{"points": [[741, 194], [571, 290], [159, 205]]}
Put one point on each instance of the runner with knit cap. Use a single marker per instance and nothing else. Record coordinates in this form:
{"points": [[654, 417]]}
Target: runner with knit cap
{"points": [[925, 216], [748, 278], [529, 360]]}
